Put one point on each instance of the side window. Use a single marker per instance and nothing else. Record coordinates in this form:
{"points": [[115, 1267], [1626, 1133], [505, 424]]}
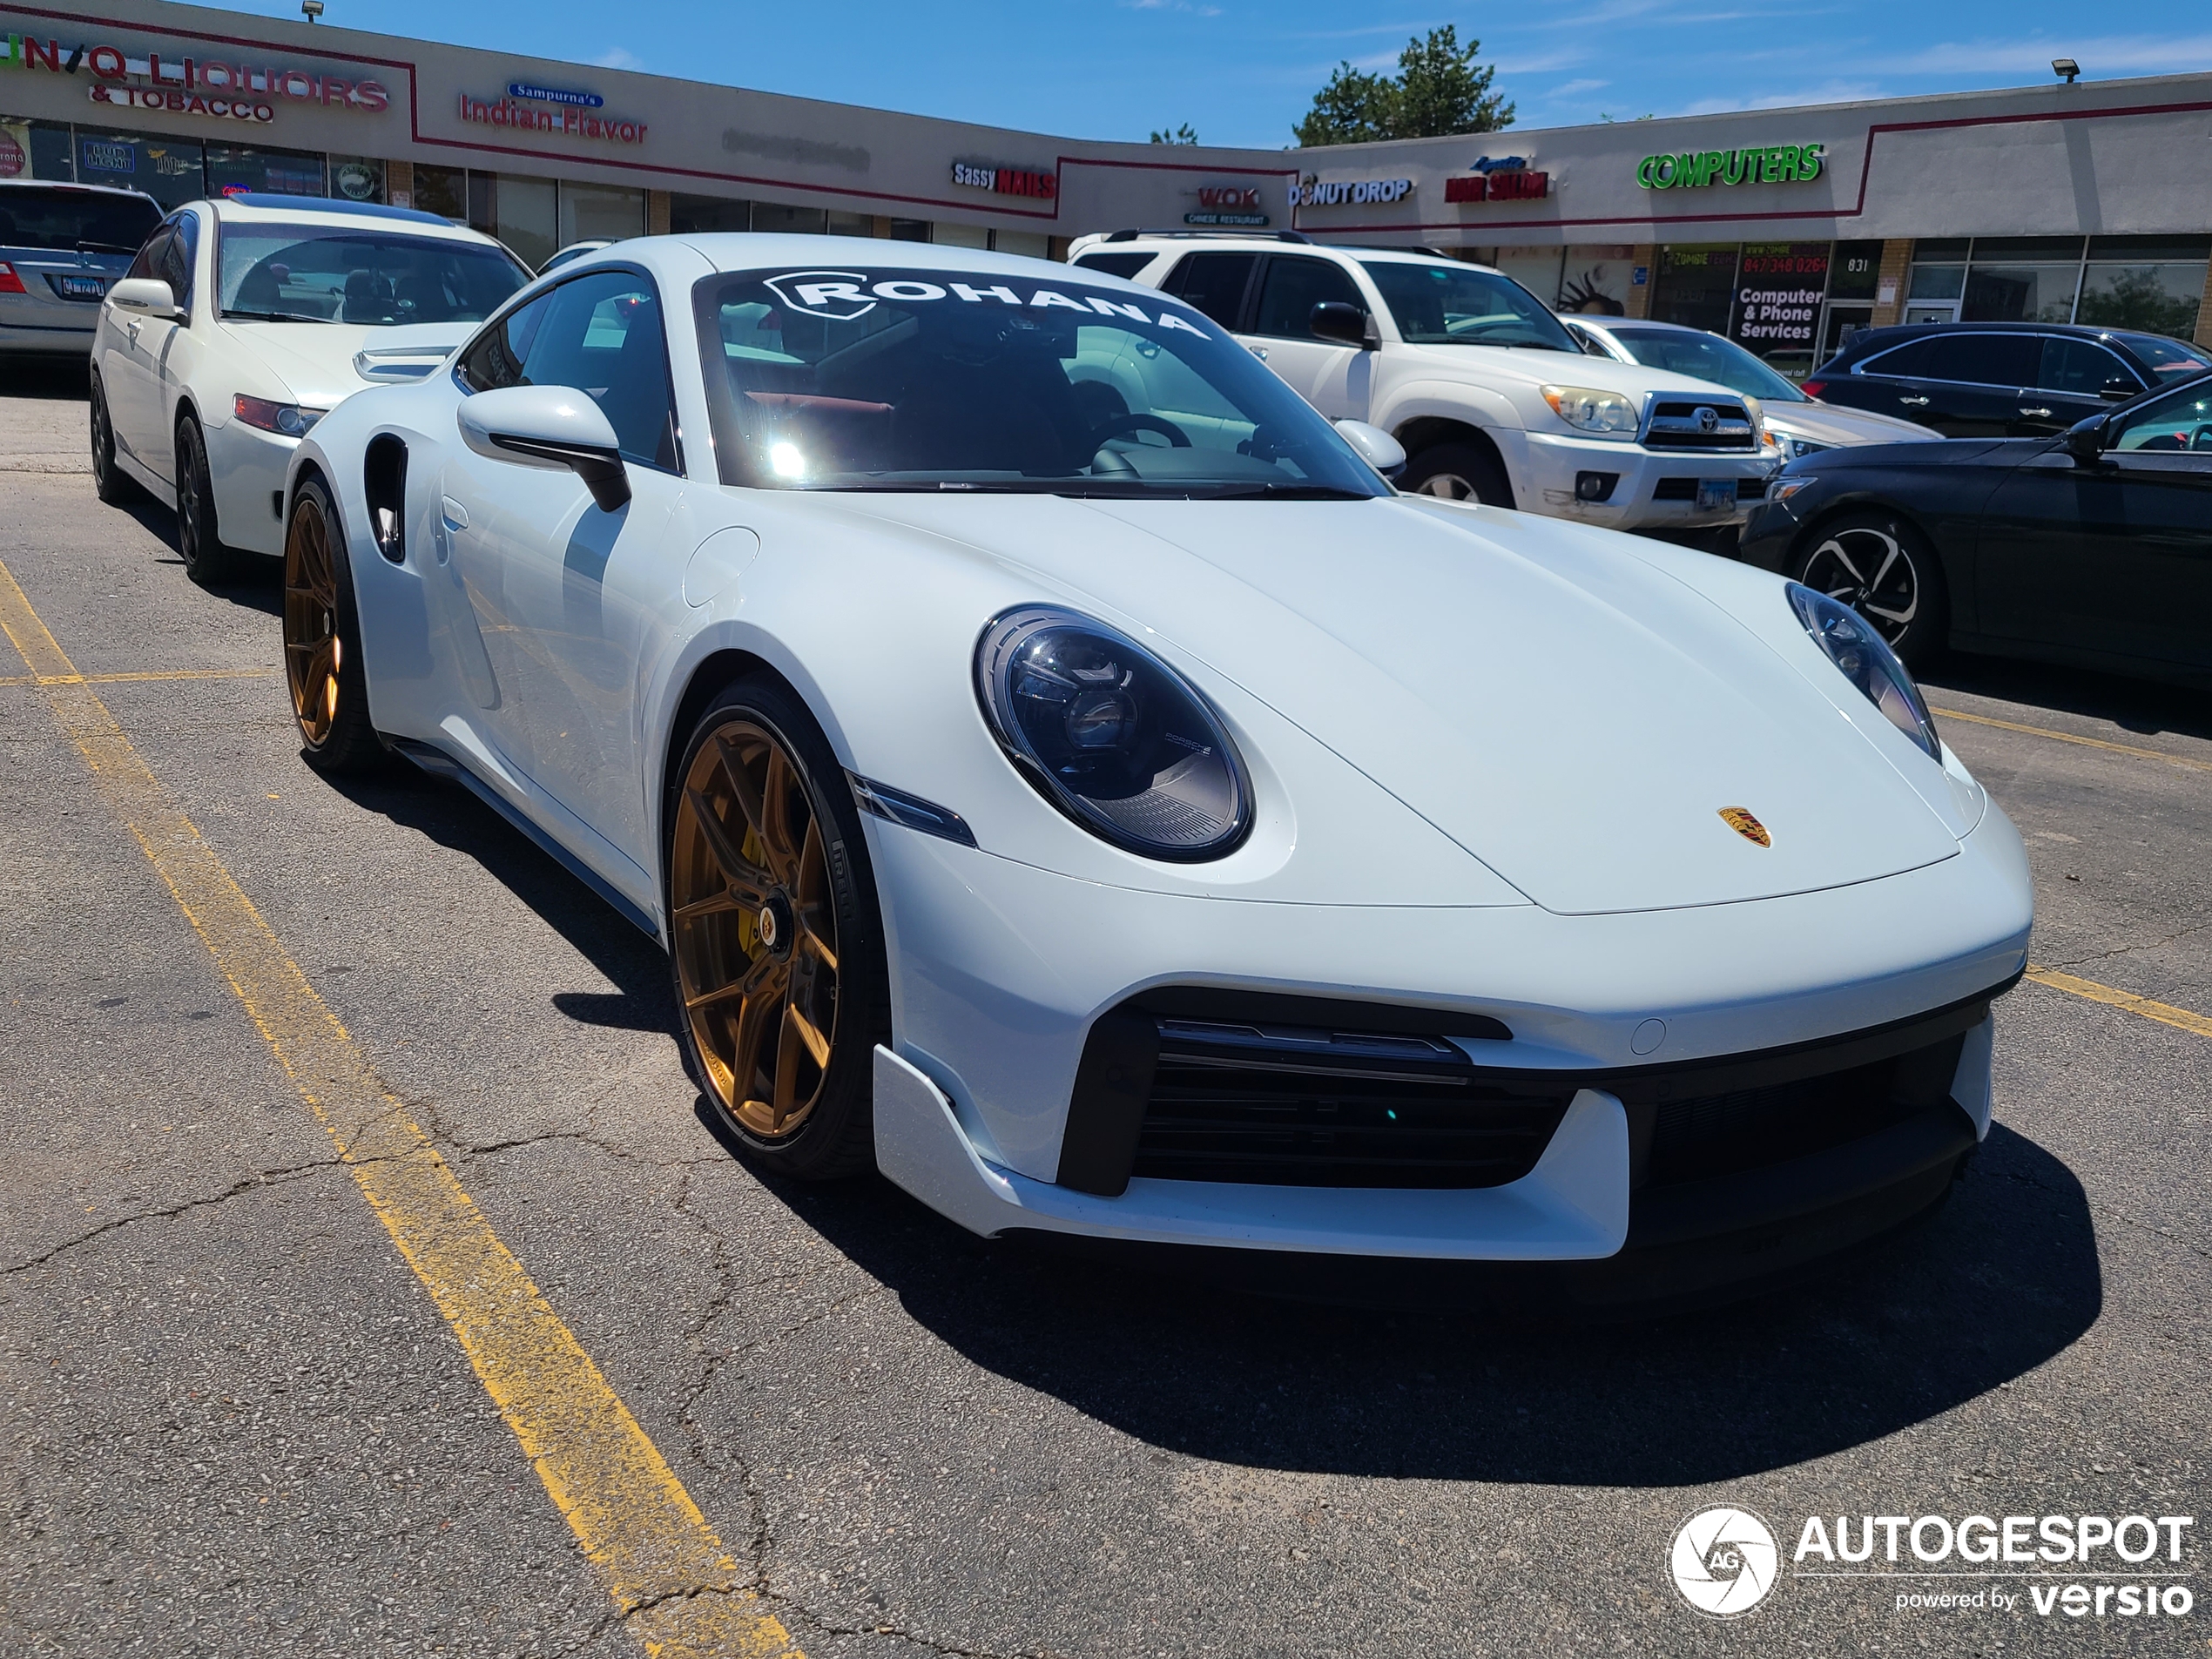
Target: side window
{"points": [[2181, 422], [1985, 360], [1215, 284], [1120, 265], [1908, 361], [495, 358], [150, 251], [178, 257], [2081, 368], [602, 334], [1293, 286]]}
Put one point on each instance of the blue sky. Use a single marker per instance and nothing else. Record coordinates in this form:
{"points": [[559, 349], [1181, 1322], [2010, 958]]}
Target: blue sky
{"points": [[1242, 72]]}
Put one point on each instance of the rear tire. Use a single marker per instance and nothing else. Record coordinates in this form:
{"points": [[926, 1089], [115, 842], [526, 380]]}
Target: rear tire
{"points": [[323, 664], [109, 481], [1458, 472], [775, 939], [1883, 568], [200, 540]]}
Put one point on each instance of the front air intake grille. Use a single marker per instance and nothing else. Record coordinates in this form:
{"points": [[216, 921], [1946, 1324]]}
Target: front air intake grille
{"points": [[1306, 1107], [1703, 1136], [1719, 425]]}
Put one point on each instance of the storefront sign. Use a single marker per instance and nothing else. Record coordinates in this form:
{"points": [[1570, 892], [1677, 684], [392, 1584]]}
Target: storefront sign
{"points": [[1784, 164], [1778, 289], [1007, 181], [1227, 205], [1514, 185], [555, 95], [1353, 191], [223, 88], [575, 123]]}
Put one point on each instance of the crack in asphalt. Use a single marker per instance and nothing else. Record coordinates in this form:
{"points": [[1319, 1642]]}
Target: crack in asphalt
{"points": [[2128, 950], [256, 1182], [2105, 1210]]}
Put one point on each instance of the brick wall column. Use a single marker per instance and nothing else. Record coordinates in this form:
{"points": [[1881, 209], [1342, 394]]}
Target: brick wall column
{"points": [[1897, 260], [656, 213], [1057, 247], [399, 183], [1647, 255]]}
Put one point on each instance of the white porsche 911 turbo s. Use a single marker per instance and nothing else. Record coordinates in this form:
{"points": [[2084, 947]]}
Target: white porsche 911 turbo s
{"points": [[1066, 776]]}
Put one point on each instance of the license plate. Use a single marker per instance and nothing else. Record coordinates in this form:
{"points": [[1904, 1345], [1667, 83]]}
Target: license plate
{"points": [[1715, 495], [81, 287]]}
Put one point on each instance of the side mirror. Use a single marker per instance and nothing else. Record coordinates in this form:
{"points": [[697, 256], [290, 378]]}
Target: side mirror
{"points": [[1376, 446], [145, 297], [2085, 440], [1346, 324], [2116, 390], [557, 428]]}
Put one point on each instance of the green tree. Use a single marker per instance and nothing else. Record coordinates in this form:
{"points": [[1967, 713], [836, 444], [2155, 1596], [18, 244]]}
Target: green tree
{"points": [[1438, 90], [1184, 134]]}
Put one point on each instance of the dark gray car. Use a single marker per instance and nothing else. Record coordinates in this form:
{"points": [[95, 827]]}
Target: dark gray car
{"points": [[61, 246]]}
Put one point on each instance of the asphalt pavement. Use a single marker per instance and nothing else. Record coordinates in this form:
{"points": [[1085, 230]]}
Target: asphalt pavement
{"points": [[236, 1422]]}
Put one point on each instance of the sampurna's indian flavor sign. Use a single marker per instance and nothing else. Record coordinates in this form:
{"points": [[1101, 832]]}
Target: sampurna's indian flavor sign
{"points": [[1781, 164]]}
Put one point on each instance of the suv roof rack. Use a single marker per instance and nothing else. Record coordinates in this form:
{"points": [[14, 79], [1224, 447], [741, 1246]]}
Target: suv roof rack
{"points": [[1273, 236]]}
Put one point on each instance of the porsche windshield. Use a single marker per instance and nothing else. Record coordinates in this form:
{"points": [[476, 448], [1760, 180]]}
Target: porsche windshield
{"points": [[304, 273], [944, 380]]}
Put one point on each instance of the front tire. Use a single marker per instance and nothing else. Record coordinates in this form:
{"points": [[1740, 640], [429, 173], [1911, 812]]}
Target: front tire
{"points": [[200, 540], [323, 663], [1458, 472], [1883, 568], [775, 938], [109, 481]]}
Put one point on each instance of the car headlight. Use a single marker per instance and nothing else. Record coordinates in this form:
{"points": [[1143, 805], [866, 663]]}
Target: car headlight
{"points": [[1111, 735], [290, 419], [1609, 414], [1868, 663], [1781, 486]]}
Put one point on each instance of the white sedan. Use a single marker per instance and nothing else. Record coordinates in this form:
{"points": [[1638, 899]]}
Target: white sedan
{"points": [[241, 322], [1067, 777]]}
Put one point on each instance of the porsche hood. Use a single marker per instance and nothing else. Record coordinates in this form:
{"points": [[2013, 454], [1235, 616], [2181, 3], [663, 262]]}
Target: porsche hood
{"points": [[1592, 728]]}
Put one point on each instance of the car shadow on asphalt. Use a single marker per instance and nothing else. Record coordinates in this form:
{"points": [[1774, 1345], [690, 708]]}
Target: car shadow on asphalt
{"points": [[2001, 1279], [2143, 706], [450, 816]]}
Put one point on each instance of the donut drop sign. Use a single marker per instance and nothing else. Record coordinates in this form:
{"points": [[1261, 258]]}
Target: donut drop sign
{"points": [[1356, 192]]}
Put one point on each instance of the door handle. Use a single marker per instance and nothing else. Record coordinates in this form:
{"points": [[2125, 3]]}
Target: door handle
{"points": [[131, 329], [1912, 400], [2035, 411], [1259, 352], [456, 516]]}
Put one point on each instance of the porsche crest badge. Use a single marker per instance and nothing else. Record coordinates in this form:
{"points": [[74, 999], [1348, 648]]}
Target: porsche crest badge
{"points": [[1739, 819]]}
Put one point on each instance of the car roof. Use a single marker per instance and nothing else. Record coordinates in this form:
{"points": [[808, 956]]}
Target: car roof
{"points": [[1262, 242], [1895, 333], [806, 251], [63, 187], [253, 207]]}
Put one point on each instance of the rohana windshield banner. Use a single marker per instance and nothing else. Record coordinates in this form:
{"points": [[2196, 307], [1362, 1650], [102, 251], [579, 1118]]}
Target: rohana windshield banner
{"points": [[847, 296]]}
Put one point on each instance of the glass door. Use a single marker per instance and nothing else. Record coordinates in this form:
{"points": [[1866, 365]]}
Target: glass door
{"points": [[1839, 326]]}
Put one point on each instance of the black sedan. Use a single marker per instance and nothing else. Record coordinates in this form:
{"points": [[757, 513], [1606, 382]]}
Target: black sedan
{"points": [[2092, 548]]}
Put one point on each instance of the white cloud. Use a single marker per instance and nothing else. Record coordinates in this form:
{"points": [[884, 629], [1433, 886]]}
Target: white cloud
{"points": [[616, 57], [2114, 55], [1569, 88], [1827, 92]]}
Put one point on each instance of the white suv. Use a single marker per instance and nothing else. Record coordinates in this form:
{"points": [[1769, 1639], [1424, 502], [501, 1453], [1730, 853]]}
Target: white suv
{"points": [[1488, 392], [241, 323]]}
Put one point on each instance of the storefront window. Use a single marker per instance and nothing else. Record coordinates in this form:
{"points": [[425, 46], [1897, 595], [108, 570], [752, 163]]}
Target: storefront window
{"points": [[171, 170], [910, 230], [357, 179], [1537, 269], [1854, 271], [774, 216], [233, 168], [852, 224], [1596, 281], [34, 149], [707, 215], [2153, 284], [963, 236], [1030, 245], [520, 212], [591, 212], [1695, 287], [442, 191]]}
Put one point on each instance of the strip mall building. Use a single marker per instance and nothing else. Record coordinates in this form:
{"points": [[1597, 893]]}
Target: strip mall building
{"points": [[1784, 228]]}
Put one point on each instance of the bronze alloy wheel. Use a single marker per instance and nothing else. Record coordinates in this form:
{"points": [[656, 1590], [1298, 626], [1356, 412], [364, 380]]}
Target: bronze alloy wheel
{"points": [[754, 930], [314, 653]]}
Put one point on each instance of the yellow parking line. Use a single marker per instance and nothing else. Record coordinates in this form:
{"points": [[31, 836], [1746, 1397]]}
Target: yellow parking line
{"points": [[680, 1590], [151, 674], [2068, 737], [2165, 1013]]}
